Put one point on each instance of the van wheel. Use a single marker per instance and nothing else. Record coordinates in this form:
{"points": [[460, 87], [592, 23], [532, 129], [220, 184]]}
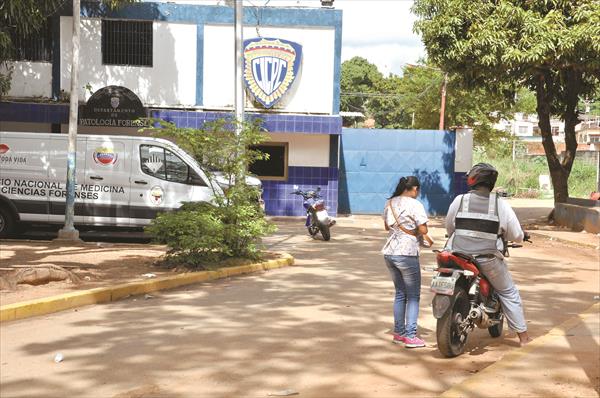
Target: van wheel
{"points": [[7, 223]]}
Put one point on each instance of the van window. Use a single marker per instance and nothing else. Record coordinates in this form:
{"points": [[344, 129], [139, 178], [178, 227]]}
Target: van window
{"points": [[164, 164]]}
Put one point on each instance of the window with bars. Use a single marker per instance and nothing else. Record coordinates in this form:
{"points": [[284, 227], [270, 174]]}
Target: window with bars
{"points": [[36, 47], [127, 43]]}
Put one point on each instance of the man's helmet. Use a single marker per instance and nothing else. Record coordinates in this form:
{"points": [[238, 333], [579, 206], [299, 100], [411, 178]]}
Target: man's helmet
{"points": [[482, 174]]}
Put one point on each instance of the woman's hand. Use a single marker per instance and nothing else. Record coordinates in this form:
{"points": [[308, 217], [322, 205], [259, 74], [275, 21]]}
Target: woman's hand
{"points": [[422, 229]]}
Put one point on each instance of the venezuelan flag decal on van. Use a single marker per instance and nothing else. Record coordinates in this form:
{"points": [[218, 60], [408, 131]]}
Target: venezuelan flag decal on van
{"points": [[105, 156]]}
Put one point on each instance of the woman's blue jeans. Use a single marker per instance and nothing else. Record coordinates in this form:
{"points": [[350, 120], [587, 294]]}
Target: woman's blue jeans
{"points": [[406, 274]]}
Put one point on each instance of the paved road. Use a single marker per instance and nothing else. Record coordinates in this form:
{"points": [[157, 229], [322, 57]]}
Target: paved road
{"points": [[320, 328]]}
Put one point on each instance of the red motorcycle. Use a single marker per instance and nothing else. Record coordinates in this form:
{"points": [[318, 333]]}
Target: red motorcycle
{"points": [[464, 299]]}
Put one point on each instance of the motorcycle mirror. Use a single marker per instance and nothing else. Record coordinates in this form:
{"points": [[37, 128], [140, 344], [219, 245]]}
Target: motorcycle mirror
{"points": [[295, 187]]}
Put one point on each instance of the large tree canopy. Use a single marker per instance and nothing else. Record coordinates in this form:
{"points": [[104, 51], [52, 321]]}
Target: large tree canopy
{"points": [[24, 18], [21, 18], [550, 46], [358, 80]]}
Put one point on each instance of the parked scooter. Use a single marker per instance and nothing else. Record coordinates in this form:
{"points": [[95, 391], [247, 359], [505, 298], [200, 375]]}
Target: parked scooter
{"points": [[317, 218], [463, 299]]}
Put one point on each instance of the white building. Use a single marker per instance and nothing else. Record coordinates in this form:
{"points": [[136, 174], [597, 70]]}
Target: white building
{"points": [[526, 127], [177, 58]]}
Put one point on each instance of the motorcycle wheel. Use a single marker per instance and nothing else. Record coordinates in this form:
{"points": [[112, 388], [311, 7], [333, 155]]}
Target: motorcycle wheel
{"points": [[313, 229], [448, 336], [496, 330], [325, 231]]}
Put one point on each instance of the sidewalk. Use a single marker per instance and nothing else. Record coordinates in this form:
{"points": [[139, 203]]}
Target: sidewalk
{"points": [[563, 363], [569, 237]]}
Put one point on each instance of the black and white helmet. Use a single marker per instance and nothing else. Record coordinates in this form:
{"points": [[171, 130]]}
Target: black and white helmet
{"points": [[482, 174]]}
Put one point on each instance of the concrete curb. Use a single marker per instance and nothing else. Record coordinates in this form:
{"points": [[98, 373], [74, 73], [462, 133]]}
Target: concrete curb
{"points": [[561, 240], [66, 301], [470, 386]]}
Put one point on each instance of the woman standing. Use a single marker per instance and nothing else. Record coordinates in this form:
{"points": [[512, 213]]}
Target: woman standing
{"points": [[405, 218]]}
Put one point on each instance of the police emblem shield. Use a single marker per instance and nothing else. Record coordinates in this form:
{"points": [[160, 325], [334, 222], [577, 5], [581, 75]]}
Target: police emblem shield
{"points": [[270, 68]]}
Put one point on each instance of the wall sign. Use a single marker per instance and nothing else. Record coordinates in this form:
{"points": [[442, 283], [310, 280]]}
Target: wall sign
{"points": [[112, 106], [270, 68]]}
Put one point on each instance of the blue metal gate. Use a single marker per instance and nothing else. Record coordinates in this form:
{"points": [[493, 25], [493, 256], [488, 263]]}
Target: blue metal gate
{"points": [[372, 162]]}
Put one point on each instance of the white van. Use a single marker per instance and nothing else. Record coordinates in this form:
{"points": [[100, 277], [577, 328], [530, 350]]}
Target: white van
{"points": [[121, 181]]}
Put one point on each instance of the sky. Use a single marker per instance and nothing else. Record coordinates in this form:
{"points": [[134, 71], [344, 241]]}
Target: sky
{"points": [[379, 30]]}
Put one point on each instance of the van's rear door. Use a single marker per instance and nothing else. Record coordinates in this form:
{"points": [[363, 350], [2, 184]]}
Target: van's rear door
{"points": [[107, 184], [24, 165]]}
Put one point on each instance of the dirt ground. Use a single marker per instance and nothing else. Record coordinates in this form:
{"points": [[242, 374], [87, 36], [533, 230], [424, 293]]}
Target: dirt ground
{"points": [[97, 264], [101, 264], [319, 328]]}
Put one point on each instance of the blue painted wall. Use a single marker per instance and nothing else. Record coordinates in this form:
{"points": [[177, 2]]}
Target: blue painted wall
{"points": [[279, 201], [372, 162]]}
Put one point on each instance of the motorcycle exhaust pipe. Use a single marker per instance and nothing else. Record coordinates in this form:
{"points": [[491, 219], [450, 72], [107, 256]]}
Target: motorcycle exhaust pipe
{"points": [[480, 318]]}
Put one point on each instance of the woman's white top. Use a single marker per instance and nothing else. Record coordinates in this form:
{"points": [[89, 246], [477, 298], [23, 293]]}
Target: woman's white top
{"points": [[411, 214]]}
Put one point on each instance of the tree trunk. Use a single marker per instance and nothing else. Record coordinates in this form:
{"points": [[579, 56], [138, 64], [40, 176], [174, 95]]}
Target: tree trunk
{"points": [[558, 174], [571, 118]]}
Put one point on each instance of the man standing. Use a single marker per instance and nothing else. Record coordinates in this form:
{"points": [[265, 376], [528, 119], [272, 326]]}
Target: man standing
{"points": [[478, 223]]}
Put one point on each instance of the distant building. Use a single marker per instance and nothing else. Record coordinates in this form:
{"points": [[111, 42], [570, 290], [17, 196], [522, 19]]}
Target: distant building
{"points": [[526, 127], [589, 131]]}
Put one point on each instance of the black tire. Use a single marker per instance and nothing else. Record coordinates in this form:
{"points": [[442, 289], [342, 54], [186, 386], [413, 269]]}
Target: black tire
{"points": [[496, 330], [325, 231], [313, 228], [448, 339], [7, 223]]}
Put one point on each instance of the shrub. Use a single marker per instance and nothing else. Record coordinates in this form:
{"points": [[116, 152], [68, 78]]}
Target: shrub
{"points": [[234, 224], [521, 176]]}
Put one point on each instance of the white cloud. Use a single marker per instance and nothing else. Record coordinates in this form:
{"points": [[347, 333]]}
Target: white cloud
{"points": [[379, 30]]}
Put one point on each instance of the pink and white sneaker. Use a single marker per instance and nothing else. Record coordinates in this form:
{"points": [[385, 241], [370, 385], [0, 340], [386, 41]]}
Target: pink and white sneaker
{"points": [[414, 342], [399, 339]]}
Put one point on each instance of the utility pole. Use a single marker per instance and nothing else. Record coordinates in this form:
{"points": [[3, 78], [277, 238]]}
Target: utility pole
{"points": [[239, 65], [443, 106], [68, 232]]}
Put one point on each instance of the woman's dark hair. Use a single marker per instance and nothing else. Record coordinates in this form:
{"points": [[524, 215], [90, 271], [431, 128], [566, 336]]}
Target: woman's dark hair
{"points": [[404, 184]]}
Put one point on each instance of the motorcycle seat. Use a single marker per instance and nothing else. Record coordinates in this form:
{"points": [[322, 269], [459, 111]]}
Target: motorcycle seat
{"points": [[467, 257]]}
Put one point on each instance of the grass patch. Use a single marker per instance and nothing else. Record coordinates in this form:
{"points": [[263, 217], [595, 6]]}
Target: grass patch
{"points": [[521, 177]]}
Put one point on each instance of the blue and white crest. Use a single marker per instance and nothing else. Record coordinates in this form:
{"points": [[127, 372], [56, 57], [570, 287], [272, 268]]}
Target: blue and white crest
{"points": [[270, 68]]}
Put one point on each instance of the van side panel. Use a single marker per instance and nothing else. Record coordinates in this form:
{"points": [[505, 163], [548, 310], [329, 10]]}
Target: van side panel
{"points": [[57, 174], [107, 177]]}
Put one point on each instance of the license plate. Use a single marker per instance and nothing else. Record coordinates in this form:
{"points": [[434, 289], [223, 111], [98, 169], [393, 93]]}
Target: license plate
{"points": [[443, 285], [322, 215]]}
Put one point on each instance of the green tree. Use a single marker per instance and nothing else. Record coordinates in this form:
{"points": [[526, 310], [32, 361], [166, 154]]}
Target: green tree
{"points": [[419, 101], [231, 226], [25, 18], [550, 46], [357, 81], [22, 18], [525, 102], [386, 105]]}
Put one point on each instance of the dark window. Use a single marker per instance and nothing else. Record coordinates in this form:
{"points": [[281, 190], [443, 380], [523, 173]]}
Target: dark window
{"points": [[275, 167], [35, 47], [127, 43], [163, 164]]}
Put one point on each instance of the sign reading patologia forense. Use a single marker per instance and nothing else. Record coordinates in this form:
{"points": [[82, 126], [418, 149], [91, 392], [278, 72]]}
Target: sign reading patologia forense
{"points": [[113, 106], [270, 68]]}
